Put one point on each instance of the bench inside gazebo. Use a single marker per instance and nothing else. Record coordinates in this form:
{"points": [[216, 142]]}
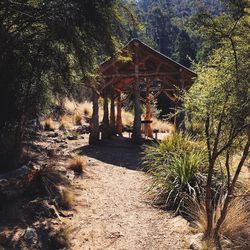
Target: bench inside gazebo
{"points": [[145, 73]]}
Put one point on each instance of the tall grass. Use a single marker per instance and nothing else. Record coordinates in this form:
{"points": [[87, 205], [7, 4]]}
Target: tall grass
{"points": [[177, 166], [236, 225]]}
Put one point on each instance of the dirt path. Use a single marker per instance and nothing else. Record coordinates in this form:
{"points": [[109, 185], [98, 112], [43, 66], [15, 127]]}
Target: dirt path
{"points": [[112, 212]]}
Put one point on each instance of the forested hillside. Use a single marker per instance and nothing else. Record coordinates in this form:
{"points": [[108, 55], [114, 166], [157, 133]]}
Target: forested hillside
{"points": [[167, 26]]}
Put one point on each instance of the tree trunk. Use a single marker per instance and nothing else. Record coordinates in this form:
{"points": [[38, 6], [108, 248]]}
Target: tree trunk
{"points": [[94, 124], [231, 190], [208, 197], [105, 121], [136, 136], [209, 208], [148, 129], [112, 114], [119, 115]]}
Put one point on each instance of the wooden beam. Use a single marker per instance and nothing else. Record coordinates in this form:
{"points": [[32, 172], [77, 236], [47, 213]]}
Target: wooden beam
{"points": [[142, 74]]}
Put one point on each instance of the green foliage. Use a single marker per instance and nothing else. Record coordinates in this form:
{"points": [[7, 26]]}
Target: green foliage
{"points": [[220, 96], [220, 100], [49, 49], [178, 168]]}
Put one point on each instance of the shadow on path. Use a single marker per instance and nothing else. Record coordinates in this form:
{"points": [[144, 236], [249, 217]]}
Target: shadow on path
{"points": [[119, 151]]}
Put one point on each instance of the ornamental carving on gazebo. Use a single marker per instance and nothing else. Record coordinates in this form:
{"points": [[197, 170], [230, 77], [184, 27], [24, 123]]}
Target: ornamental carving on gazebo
{"points": [[144, 72]]}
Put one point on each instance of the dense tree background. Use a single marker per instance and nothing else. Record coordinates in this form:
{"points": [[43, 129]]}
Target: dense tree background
{"points": [[167, 26]]}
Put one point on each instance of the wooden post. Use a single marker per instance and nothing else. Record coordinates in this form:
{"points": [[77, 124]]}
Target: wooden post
{"points": [[136, 136], [119, 115], [148, 129], [94, 123], [105, 121], [112, 113]]}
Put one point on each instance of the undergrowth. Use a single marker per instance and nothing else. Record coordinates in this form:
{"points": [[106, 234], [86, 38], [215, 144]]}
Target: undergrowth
{"points": [[178, 168], [58, 187], [236, 224]]}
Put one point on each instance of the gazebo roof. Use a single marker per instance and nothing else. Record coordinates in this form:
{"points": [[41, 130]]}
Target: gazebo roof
{"points": [[144, 62]]}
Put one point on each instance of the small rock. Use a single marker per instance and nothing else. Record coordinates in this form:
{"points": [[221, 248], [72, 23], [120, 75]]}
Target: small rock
{"points": [[72, 137], [70, 175], [4, 237], [30, 236], [196, 242], [57, 140], [40, 208], [51, 152], [3, 181], [53, 135]]}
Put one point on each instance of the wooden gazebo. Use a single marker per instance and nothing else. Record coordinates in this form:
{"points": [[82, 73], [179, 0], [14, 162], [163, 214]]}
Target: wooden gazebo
{"points": [[148, 73]]}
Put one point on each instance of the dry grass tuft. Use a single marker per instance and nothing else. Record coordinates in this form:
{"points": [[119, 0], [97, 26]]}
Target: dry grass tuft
{"points": [[234, 226], [163, 126], [75, 113], [78, 164], [78, 119], [86, 108], [72, 107], [66, 198], [49, 124], [127, 118], [66, 122]]}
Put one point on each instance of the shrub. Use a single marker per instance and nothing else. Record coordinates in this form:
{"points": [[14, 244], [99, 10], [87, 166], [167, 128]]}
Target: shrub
{"points": [[178, 168], [78, 164]]}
